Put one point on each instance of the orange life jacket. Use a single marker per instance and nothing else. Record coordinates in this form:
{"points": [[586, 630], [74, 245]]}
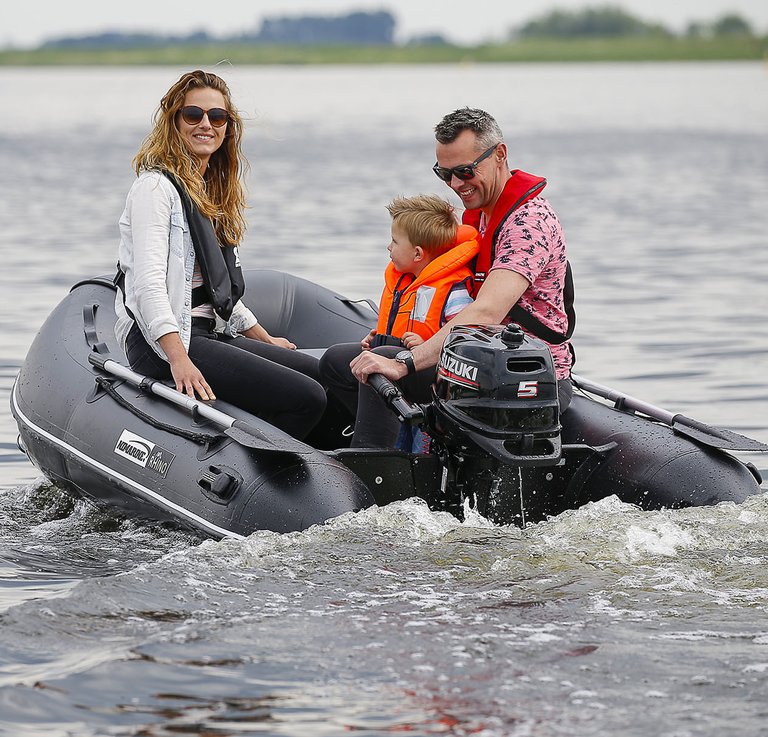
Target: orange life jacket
{"points": [[417, 305]]}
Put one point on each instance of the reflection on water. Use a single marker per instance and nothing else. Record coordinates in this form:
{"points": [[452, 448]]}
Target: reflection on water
{"points": [[604, 620]]}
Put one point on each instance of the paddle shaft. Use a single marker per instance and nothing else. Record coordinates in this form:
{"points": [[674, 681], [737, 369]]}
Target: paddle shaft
{"points": [[145, 383], [716, 437], [624, 400]]}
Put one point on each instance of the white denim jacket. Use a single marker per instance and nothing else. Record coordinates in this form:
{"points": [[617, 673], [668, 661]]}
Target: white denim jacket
{"points": [[158, 258]]}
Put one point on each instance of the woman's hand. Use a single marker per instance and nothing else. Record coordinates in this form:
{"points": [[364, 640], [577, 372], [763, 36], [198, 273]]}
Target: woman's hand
{"points": [[189, 379], [411, 339], [256, 332], [187, 376], [282, 342]]}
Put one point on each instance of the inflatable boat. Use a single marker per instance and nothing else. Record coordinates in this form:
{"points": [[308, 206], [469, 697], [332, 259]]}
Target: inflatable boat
{"points": [[496, 438]]}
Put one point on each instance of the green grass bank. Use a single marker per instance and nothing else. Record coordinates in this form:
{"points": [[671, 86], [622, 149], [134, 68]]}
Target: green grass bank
{"points": [[726, 48]]}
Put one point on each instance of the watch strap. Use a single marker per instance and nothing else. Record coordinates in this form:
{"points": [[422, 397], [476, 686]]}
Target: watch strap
{"points": [[406, 357]]}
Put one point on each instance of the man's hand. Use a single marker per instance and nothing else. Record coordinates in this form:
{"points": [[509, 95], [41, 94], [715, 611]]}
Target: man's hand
{"points": [[368, 363]]}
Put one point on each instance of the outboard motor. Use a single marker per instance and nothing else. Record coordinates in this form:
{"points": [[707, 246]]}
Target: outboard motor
{"points": [[494, 419], [494, 423], [497, 445], [496, 387]]}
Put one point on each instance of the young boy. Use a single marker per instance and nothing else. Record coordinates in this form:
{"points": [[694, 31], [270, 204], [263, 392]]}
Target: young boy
{"points": [[426, 283]]}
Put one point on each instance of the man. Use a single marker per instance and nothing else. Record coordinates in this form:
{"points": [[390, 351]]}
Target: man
{"points": [[520, 274]]}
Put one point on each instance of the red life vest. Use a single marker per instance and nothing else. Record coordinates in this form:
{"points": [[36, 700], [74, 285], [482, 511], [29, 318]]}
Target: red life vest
{"points": [[428, 292], [520, 188]]}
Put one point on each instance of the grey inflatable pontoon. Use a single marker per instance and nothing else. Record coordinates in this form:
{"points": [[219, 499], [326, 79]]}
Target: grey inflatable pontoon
{"points": [[102, 432]]}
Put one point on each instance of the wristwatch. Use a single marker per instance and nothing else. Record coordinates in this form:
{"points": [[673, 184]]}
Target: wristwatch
{"points": [[406, 357]]}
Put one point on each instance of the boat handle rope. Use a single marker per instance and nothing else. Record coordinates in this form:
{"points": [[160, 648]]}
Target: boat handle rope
{"points": [[200, 438], [355, 302], [107, 384]]}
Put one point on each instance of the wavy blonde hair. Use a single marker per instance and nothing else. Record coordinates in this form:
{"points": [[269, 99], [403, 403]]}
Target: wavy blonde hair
{"points": [[219, 194], [427, 220]]}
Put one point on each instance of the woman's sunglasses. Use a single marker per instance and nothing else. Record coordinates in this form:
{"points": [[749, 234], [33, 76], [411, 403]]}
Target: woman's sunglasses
{"points": [[193, 114], [463, 172]]}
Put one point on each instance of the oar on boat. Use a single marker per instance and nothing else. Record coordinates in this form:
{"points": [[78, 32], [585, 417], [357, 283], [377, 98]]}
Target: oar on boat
{"points": [[715, 437], [240, 431]]}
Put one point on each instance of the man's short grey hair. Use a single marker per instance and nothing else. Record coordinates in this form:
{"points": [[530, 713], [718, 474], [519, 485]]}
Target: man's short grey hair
{"points": [[478, 121]]}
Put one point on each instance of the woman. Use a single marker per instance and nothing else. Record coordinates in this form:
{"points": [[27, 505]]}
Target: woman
{"points": [[180, 267]]}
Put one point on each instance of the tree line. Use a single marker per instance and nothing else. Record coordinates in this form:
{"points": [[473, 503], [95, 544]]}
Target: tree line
{"points": [[613, 22], [378, 29], [359, 28]]}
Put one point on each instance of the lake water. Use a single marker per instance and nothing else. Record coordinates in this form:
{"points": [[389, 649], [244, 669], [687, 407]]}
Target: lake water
{"points": [[602, 621]]}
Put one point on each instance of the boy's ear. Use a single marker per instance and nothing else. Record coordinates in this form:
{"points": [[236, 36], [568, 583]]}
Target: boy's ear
{"points": [[418, 253]]}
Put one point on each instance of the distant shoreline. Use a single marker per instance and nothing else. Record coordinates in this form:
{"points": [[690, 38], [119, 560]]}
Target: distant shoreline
{"points": [[726, 48]]}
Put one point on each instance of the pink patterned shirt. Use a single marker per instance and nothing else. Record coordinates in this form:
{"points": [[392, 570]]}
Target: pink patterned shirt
{"points": [[531, 243]]}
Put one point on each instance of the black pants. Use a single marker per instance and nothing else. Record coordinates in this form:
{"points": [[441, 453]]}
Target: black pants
{"points": [[376, 426], [279, 385]]}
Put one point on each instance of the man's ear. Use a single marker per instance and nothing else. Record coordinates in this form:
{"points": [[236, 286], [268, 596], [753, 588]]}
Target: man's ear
{"points": [[501, 152]]}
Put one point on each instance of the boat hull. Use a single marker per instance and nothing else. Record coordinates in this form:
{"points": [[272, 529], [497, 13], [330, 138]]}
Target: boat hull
{"points": [[88, 442], [128, 450]]}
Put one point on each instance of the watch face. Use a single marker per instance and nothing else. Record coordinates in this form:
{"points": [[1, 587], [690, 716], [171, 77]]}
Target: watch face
{"points": [[403, 356]]}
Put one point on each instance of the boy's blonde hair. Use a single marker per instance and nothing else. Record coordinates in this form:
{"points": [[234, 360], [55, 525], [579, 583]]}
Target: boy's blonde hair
{"points": [[427, 220]]}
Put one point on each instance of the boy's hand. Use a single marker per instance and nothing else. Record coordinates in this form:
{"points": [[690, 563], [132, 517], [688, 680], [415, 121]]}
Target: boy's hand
{"points": [[411, 339], [365, 343]]}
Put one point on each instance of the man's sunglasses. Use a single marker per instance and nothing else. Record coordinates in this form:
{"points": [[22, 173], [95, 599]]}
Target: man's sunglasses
{"points": [[465, 171], [193, 114]]}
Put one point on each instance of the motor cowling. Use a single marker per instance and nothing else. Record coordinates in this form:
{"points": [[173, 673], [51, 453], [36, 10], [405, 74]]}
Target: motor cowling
{"points": [[496, 387]]}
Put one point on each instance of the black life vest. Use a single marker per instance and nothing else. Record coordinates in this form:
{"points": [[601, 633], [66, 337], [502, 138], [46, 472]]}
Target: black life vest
{"points": [[220, 265]]}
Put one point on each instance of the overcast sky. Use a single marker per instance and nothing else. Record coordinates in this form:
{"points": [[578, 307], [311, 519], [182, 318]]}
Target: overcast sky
{"points": [[30, 22]]}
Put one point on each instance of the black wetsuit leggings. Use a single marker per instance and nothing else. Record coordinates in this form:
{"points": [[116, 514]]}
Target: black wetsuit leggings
{"points": [[274, 383], [376, 426]]}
